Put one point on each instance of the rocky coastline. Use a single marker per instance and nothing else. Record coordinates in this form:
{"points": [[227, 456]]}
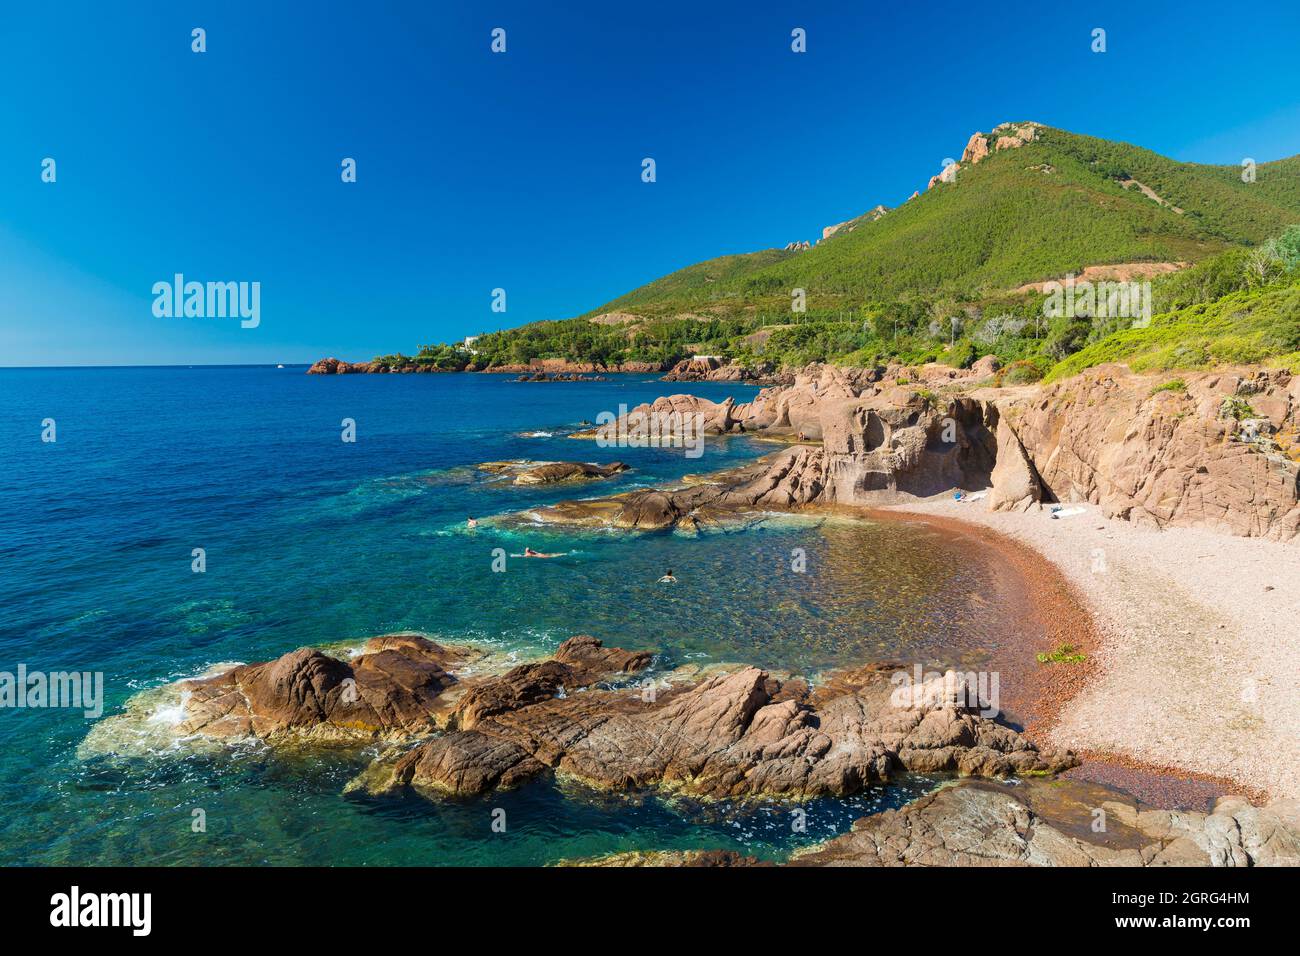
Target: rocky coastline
{"points": [[1217, 450], [1210, 452], [541, 370]]}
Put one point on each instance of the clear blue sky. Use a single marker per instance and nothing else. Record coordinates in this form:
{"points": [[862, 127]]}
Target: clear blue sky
{"points": [[522, 170]]}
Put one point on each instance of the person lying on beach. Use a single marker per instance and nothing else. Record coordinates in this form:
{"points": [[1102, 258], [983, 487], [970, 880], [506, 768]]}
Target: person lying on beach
{"points": [[667, 578]]}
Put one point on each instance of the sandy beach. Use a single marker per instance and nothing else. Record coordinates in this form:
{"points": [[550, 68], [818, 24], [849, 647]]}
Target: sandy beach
{"points": [[1197, 665]]}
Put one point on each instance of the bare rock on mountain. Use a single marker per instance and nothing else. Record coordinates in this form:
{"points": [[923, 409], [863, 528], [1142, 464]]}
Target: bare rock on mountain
{"points": [[976, 149], [1015, 135]]}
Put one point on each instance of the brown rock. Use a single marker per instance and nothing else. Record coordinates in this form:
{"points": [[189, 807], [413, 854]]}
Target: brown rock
{"points": [[561, 471], [1163, 458], [1015, 482], [976, 149], [332, 366], [734, 734], [1035, 823], [1221, 453], [391, 690]]}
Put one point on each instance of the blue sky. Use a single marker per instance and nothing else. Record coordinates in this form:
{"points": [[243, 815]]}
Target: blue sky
{"points": [[522, 170]]}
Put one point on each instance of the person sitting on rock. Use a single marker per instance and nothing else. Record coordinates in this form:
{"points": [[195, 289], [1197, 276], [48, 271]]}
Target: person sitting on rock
{"points": [[667, 578]]}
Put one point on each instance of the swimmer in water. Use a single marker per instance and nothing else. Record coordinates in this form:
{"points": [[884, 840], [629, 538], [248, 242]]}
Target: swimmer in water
{"points": [[667, 578], [472, 523]]}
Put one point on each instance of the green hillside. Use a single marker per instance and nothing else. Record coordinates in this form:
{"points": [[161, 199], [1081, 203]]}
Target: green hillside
{"points": [[940, 278], [1020, 215], [1254, 318]]}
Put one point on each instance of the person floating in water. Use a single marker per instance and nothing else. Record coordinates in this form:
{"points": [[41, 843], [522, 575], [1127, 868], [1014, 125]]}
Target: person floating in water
{"points": [[472, 523], [667, 578]]}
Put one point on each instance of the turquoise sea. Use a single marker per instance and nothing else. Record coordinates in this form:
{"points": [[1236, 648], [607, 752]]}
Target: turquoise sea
{"points": [[310, 540]]}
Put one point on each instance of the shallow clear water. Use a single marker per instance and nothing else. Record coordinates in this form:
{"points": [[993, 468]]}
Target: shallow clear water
{"points": [[310, 540]]}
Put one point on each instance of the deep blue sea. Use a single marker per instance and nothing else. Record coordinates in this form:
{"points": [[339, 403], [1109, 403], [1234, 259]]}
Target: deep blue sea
{"points": [[310, 540]]}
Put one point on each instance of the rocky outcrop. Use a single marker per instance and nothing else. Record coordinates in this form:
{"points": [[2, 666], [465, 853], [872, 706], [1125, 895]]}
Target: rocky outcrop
{"points": [[871, 215], [1035, 823], [734, 734], [393, 689], [1004, 136], [1219, 450], [780, 482], [1189, 454], [553, 472], [687, 858], [400, 687], [713, 369], [559, 377], [1015, 482], [332, 366], [879, 444], [977, 147]]}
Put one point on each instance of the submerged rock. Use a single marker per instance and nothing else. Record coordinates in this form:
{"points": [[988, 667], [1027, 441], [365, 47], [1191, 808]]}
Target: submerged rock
{"points": [[554, 472], [689, 858]]}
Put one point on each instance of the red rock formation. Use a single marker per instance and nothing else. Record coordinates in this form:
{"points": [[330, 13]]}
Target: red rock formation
{"points": [[732, 735], [391, 689], [1218, 453]]}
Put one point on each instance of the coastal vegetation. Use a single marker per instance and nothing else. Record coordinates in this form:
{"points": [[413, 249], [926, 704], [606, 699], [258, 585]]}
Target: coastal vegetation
{"points": [[1064, 654]]}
